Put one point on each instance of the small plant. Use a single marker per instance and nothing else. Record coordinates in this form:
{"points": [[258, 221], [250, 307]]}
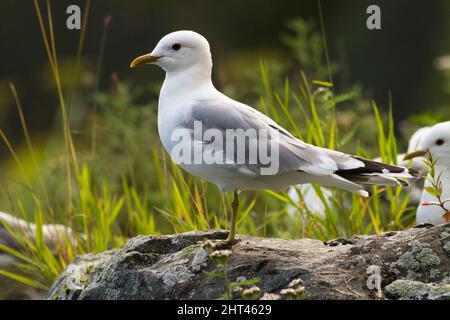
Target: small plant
{"points": [[252, 293], [243, 288], [295, 290], [435, 187]]}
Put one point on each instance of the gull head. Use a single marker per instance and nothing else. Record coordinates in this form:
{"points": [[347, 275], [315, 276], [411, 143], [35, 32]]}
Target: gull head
{"points": [[416, 138], [437, 142], [177, 52]]}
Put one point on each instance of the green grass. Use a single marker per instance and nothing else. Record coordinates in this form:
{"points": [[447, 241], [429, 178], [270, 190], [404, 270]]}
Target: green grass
{"points": [[126, 185]]}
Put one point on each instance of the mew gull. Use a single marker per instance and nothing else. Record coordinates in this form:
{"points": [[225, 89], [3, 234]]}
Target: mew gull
{"points": [[437, 143], [189, 104]]}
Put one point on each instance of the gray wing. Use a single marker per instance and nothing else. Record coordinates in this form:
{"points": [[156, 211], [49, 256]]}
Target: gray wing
{"points": [[294, 154]]}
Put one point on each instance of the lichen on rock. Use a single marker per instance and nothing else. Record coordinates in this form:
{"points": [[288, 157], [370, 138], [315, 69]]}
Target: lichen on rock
{"points": [[77, 275], [415, 290], [420, 259]]}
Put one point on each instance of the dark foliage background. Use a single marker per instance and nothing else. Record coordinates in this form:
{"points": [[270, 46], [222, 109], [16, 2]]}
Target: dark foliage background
{"points": [[398, 58]]}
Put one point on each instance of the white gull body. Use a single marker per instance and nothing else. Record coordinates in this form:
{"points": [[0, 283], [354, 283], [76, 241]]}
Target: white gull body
{"points": [[188, 95], [437, 142]]}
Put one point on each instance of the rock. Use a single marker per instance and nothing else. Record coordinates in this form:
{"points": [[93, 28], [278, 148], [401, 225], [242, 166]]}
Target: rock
{"points": [[407, 265], [70, 285], [415, 290]]}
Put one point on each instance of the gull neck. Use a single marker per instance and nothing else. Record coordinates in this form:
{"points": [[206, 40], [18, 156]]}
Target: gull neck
{"points": [[193, 81]]}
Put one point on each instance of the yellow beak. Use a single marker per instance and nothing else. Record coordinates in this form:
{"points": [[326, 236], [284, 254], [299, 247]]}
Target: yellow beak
{"points": [[145, 59], [415, 154]]}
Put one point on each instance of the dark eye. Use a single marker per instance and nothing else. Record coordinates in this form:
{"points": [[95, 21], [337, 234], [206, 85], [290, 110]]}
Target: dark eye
{"points": [[176, 46], [439, 142]]}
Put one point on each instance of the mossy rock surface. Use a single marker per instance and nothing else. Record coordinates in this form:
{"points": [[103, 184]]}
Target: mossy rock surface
{"points": [[415, 290], [411, 264]]}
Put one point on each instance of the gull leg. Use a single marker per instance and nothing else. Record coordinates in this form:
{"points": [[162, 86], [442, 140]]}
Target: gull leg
{"points": [[234, 205]]}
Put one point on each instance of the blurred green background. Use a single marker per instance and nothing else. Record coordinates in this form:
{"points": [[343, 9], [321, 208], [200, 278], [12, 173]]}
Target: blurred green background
{"points": [[398, 58], [401, 60]]}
